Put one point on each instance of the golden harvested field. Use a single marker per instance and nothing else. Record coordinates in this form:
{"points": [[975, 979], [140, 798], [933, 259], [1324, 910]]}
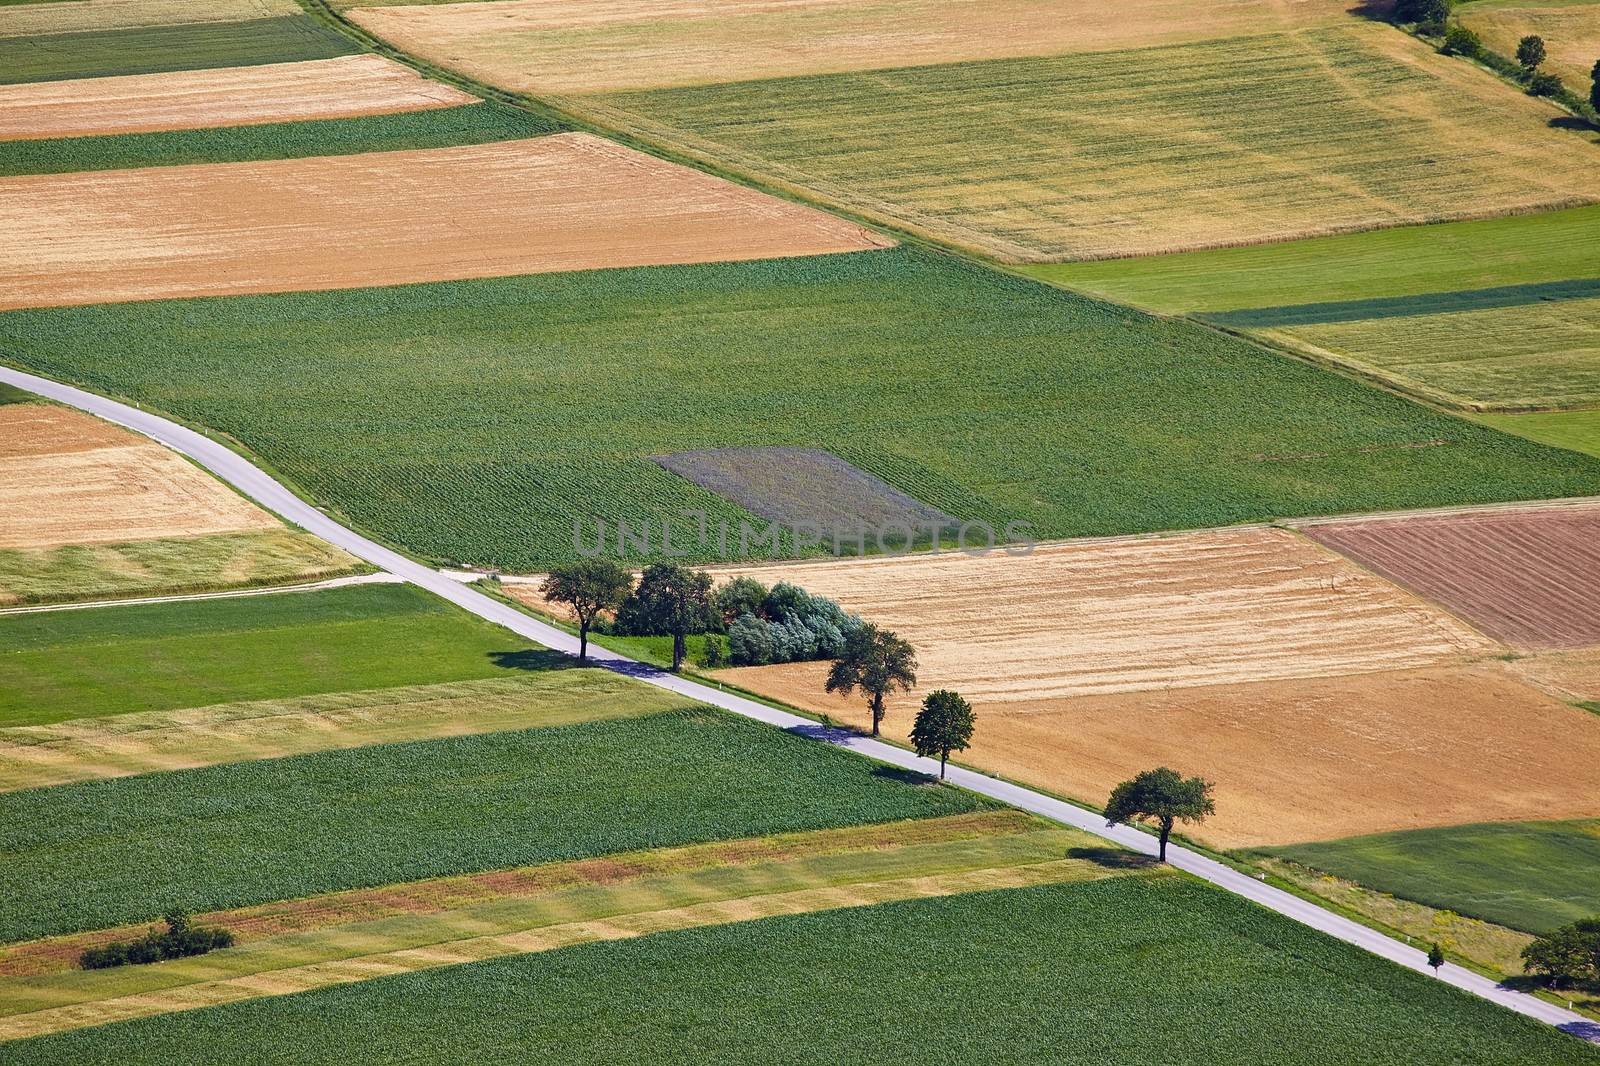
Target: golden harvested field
{"points": [[1128, 615], [579, 46], [1293, 761], [1187, 146], [71, 16], [566, 202], [67, 478], [231, 96], [1571, 33]]}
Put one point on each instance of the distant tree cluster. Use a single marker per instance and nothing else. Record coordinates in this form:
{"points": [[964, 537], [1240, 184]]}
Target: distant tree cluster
{"points": [[784, 624], [179, 940], [1569, 956]]}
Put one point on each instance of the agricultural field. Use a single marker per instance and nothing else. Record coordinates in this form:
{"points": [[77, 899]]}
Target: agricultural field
{"points": [[566, 47], [404, 131], [1529, 578], [75, 16], [66, 665], [1570, 28], [564, 202], [945, 976], [522, 405], [279, 92], [88, 510], [1578, 431], [158, 48], [119, 850], [1032, 159], [1530, 876]]}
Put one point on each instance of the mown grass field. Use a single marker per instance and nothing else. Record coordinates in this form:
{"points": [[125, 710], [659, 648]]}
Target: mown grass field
{"points": [[472, 124], [1158, 971], [1491, 253], [1578, 431], [495, 414], [1532, 876], [1570, 29], [1144, 151], [149, 49], [121, 850], [60, 665]]}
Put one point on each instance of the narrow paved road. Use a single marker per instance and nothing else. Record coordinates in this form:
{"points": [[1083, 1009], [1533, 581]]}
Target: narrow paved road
{"points": [[257, 485]]}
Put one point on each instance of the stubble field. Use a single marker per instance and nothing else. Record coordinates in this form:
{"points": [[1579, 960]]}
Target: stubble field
{"points": [[76, 16], [1570, 28]]}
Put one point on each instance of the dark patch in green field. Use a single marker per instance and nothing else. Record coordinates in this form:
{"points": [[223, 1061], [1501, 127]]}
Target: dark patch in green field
{"points": [[107, 852], [1431, 303], [1533, 876], [439, 128], [1155, 971], [11, 394], [153, 49], [477, 421]]}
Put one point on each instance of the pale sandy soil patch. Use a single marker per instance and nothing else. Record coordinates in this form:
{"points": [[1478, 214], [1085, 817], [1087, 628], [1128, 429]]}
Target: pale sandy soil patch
{"points": [[1293, 761], [67, 478], [1571, 35], [577, 46], [71, 16], [1121, 615], [232, 96], [565, 202]]}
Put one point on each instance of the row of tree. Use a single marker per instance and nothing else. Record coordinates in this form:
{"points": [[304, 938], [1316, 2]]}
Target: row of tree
{"points": [[1432, 17]]}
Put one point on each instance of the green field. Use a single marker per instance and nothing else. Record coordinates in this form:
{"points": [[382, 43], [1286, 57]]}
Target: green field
{"points": [[494, 414], [438, 128], [1160, 972], [1578, 431], [1533, 876], [60, 665], [1151, 150], [151, 49], [1447, 257], [107, 852]]}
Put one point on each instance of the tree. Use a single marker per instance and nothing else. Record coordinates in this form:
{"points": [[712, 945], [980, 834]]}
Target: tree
{"points": [[876, 662], [741, 596], [943, 725], [674, 599], [1594, 89], [1571, 953], [1544, 83], [1460, 41], [1429, 13], [1530, 52], [588, 586], [1436, 956], [1161, 796]]}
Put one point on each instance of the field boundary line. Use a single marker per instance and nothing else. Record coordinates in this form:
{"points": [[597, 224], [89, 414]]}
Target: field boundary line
{"points": [[272, 495], [379, 578]]}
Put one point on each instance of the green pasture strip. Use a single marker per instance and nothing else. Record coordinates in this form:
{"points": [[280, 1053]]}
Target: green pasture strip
{"points": [[592, 902], [498, 414], [168, 565], [154, 49], [1532, 876], [1131, 969], [118, 745], [1530, 249], [437, 128], [1432, 303], [60, 665], [1577, 431], [1539, 355], [11, 394], [107, 852]]}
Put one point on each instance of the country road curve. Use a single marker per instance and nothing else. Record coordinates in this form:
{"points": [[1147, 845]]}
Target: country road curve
{"points": [[264, 490]]}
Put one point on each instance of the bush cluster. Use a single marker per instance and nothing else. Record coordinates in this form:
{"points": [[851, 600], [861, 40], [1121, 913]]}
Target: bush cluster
{"points": [[179, 940], [785, 624]]}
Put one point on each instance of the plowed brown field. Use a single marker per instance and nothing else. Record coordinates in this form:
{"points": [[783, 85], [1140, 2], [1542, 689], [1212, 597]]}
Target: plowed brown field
{"points": [[66, 478], [232, 96], [1531, 578], [1153, 613], [1292, 760], [577, 46], [566, 202]]}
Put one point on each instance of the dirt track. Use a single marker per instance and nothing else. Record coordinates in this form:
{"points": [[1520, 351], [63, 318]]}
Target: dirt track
{"points": [[566, 202], [1530, 578], [66, 478], [1196, 609], [1292, 760], [232, 96], [578, 46]]}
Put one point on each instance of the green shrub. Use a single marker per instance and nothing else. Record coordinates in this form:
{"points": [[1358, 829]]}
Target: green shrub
{"points": [[1544, 84], [179, 941], [1460, 41]]}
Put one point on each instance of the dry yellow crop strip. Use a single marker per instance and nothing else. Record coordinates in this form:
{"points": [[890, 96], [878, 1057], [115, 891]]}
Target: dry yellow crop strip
{"points": [[74, 16]]}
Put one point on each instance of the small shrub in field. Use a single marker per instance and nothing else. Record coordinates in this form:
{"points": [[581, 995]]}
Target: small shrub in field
{"points": [[1460, 41], [1544, 84], [180, 940]]}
